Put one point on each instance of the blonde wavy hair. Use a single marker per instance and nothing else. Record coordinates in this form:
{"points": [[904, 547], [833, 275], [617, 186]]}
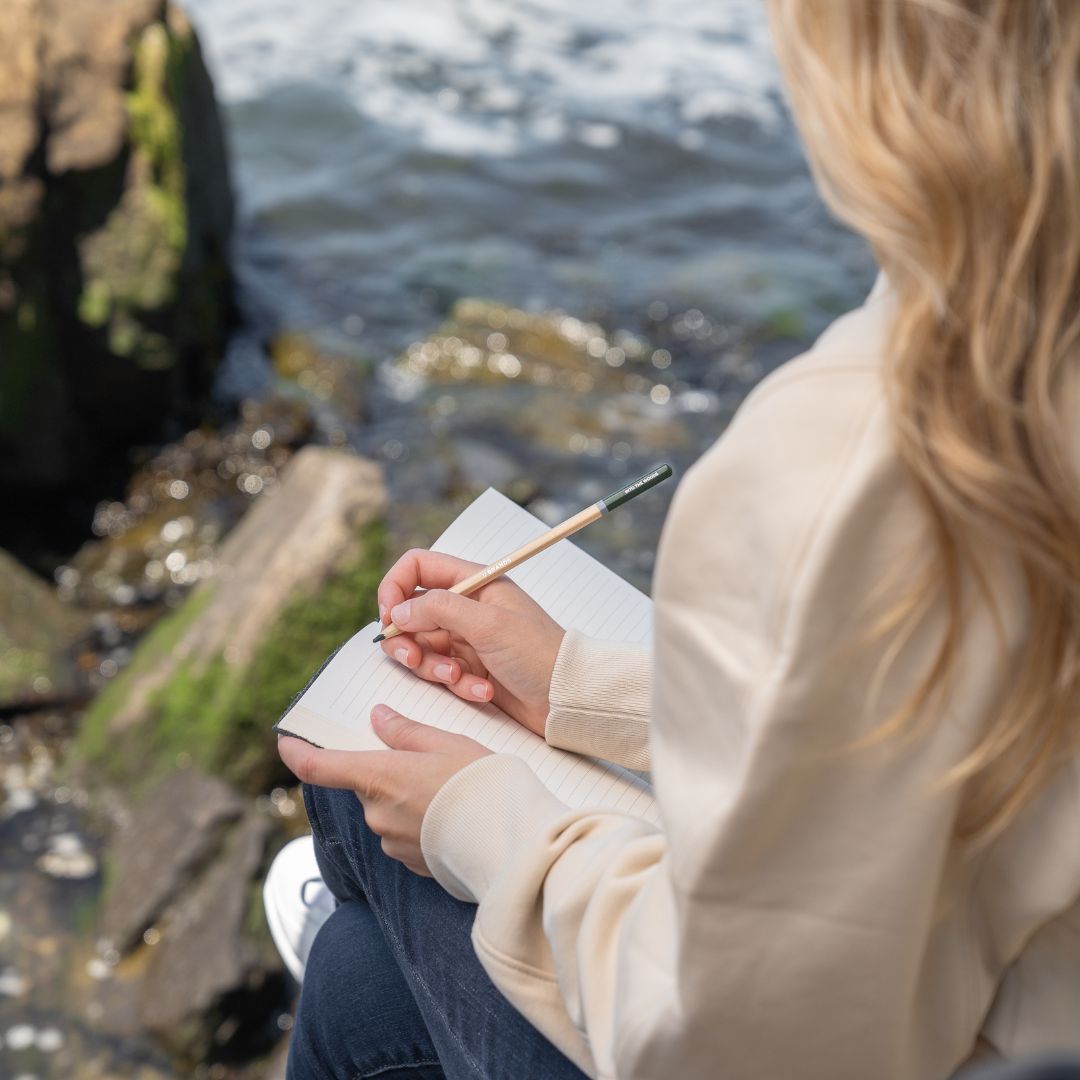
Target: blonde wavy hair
{"points": [[947, 132]]}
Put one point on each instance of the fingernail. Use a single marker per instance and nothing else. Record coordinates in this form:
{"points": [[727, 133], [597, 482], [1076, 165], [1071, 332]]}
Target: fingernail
{"points": [[402, 655], [382, 612], [400, 612], [381, 712], [444, 671], [480, 690]]}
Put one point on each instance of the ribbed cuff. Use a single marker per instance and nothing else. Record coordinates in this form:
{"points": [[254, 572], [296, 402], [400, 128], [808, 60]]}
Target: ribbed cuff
{"points": [[600, 700], [480, 819]]}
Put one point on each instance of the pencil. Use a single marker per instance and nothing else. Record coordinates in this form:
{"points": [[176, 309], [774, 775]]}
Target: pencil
{"points": [[570, 526]]}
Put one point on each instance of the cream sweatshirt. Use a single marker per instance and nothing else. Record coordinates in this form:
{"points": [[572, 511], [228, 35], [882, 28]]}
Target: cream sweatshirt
{"points": [[804, 913]]}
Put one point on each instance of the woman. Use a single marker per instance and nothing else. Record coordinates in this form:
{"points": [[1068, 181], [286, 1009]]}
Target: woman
{"points": [[865, 695]]}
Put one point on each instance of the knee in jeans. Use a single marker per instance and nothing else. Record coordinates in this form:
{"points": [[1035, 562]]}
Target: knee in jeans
{"points": [[350, 970]]}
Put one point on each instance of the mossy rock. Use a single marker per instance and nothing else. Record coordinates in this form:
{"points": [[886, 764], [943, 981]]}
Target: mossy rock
{"points": [[298, 576], [115, 221]]}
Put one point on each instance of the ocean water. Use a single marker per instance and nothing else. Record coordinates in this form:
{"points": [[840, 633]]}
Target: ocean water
{"points": [[630, 163], [393, 155]]}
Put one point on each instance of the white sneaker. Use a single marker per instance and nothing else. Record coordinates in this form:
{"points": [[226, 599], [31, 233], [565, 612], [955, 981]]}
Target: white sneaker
{"points": [[297, 902]]}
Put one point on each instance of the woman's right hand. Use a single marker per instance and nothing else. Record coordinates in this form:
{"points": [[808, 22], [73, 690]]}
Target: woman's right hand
{"points": [[496, 645]]}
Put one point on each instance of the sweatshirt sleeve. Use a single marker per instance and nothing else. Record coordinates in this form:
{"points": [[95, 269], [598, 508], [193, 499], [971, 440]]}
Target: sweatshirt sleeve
{"points": [[797, 914], [600, 700]]}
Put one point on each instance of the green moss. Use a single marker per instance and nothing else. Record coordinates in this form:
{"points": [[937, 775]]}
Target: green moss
{"points": [[154, 126], [84, 913], [96, 743], [222, 717], [131, 265]]}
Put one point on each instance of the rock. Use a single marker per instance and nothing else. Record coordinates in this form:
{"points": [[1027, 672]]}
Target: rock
{"points": [[295, 578], [38, 635], [115, 217], [502, 387], [67, 858], [324, 375], [174, 830], [205, 951]]}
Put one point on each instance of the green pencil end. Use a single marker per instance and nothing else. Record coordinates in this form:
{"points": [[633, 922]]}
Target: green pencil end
{"points": [[642, 483]]}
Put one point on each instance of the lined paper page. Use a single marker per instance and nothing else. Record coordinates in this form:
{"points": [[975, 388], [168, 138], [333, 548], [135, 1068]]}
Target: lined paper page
{"points": [[572, 586]]}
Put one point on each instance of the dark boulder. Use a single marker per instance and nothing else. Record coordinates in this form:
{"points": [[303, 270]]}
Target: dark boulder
{"points": [[115, 217]]}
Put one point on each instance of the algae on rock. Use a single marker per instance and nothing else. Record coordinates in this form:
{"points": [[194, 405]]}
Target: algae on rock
{"points": [[296, 578], [115, 221], [131, 265]]}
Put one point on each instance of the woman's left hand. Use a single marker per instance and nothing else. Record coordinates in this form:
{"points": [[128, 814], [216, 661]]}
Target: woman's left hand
{"points": [[396, 786]]}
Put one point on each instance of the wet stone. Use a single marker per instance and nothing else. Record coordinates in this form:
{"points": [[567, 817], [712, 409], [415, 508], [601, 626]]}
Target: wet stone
{"points": [[205, 951], [176, 828]]}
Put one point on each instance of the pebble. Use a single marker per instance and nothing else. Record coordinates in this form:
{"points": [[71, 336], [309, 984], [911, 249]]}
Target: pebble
{"points": [[12, 984], [98, 969], [49, 1040], [67, 858], [19, 1037], [19, 799]]}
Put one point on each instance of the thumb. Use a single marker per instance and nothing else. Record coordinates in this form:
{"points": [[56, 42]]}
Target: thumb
{"points": [[311, 764], [440, 609], [401, 733]]}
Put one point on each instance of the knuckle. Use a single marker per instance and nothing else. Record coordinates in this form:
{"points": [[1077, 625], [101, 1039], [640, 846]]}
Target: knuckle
{"points": [[408, 732], [372, 786], [415, 558], [430, 607], [307, 767]]}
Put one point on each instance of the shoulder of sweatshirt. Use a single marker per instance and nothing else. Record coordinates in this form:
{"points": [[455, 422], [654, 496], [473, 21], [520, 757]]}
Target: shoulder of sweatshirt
{"points": [[805, 475]]}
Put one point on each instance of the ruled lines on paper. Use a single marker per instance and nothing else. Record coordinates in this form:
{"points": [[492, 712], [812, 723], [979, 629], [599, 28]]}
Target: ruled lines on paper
{"points": [[573, 587]]}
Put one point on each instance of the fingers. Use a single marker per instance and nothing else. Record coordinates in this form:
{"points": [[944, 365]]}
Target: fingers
{"points": [[424, 655], [439, 609], [419, 568], [409, 649], [434, 666], [438, 668]]}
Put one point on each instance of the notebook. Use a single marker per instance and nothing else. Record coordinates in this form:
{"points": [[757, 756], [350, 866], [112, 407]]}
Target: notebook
{"points": [[574, 588]]}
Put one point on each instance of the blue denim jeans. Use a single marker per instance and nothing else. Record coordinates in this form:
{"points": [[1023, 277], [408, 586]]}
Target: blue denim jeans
{"points": [[392, 987]]}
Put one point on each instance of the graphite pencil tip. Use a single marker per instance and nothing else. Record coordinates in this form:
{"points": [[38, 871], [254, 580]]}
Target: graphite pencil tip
{"points": [[379, 638]]}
